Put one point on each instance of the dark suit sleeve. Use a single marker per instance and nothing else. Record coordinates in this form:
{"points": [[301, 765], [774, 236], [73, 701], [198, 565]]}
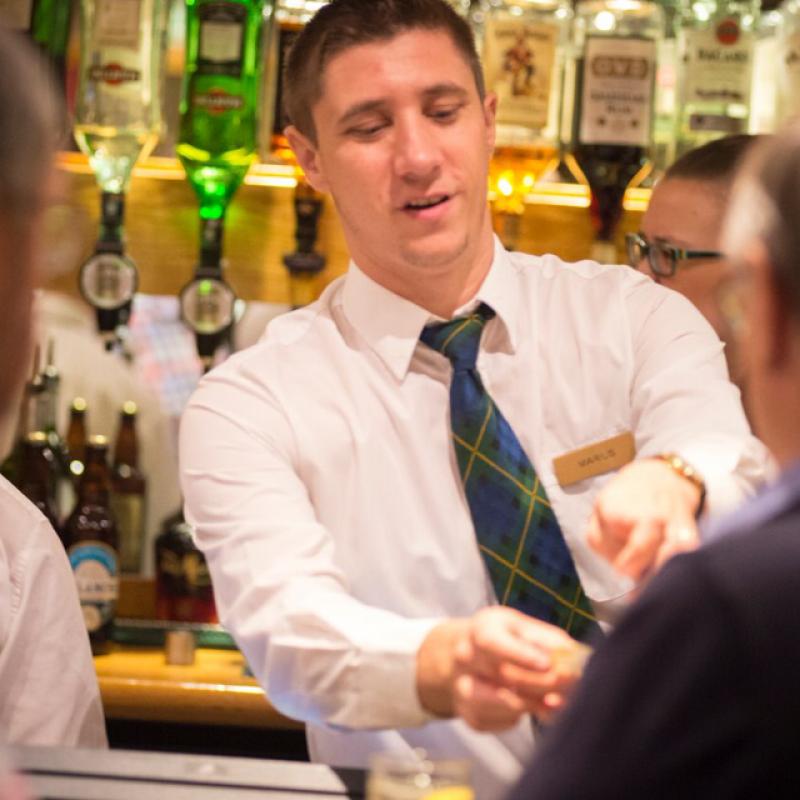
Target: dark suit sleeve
{"points": [[663, 703]]}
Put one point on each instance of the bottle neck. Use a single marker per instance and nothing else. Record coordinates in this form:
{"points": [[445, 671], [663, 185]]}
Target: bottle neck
{"points": [[211, 236], [95, 484], [112, 215], [126, 450]]}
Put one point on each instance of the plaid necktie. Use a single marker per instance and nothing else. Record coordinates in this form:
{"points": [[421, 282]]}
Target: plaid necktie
{"points": [[519, 537]]}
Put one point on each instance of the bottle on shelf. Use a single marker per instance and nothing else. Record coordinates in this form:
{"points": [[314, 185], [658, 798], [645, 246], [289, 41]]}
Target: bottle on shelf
{"points": [[28, 418], [47, 422], [217, 143], [663, 148], [76, 439], [91, 539], [36, 475], [610, 82], [716, 44], [305, 264], [128, 492], [523, 47], [183, 585], [117, 122]]}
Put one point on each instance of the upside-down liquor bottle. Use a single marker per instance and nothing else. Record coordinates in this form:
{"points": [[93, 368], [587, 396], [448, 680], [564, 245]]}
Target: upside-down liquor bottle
{"points": [[716, 43], [611, 79], [117, 121], [523, 46], [217, 144], [304, 264]]}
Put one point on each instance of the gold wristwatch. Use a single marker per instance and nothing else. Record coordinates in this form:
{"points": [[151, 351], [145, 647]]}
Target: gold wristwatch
{"points": [[683, 468]]}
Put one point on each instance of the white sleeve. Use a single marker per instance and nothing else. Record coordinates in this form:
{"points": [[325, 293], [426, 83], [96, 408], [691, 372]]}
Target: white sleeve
{"points": [[48, 686], [682, 398], [321, 655]]}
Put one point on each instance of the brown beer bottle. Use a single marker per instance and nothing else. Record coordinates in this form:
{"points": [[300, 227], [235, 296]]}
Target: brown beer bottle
{"points": [[128, 492], [76, 439], [90, 536], [35, 479], [183, 585]]}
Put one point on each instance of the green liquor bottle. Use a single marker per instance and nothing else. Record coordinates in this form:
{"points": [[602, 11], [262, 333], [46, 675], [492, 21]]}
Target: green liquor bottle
{"points": [[218, 142], [117, 121]]}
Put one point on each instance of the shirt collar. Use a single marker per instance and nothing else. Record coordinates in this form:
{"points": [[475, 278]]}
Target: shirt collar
{"points": [[391, 325]]}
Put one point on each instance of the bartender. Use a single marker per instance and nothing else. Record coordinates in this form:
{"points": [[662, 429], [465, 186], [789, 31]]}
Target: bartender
{"points": [[401, 487]]}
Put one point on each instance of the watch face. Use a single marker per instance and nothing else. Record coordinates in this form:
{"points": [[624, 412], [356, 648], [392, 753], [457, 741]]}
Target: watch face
{"points": [[207, 305], [108, 280]]}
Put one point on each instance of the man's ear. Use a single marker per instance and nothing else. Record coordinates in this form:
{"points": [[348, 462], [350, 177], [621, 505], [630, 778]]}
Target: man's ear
{"points": [[307, 157]]}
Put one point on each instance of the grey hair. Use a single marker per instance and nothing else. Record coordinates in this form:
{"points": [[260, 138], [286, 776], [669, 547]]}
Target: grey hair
{"points": [[30, 124], [765, 207]]}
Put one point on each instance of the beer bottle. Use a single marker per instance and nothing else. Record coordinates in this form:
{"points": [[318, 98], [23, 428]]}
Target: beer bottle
{"points": [[76, 439], [183, 585], [128, 492], [90, 536], [36, 472]]}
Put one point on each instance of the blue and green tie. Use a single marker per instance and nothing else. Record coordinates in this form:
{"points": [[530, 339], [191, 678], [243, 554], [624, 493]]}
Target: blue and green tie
{"points": [[518, 534]]}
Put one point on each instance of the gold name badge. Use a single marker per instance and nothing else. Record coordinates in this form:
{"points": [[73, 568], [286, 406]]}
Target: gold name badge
{"points": [[594, 459]]}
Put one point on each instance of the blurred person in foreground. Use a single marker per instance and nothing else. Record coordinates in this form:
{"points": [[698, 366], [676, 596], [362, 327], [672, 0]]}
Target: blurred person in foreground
{"points": [[695, 693], [381, 471], [48, 688], [679, 241]]}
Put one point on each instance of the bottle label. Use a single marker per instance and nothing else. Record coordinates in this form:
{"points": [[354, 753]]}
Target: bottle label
{"points": [[617, 95], [217, 101], [16, 14], [717, 64], [519, 59], [117, 23], [96, 571], [128, 509], [221, 39]]}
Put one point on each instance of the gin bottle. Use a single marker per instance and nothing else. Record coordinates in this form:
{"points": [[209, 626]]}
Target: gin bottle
{"points": [[716, 42], [217, 143], [117, 121], [610, 80]]}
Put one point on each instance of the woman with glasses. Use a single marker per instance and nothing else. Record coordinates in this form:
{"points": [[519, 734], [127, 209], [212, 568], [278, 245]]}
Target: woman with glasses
{"points": [[678, 244]]}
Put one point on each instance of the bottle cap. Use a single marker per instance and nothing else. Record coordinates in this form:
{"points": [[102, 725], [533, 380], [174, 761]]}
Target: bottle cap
{"points": [[129, 408], [179, 647], [36, 437], [98, 440], [79, 404]]}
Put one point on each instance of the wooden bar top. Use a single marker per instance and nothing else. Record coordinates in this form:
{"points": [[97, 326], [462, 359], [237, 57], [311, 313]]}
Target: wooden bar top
{"points": [[136, 683]]}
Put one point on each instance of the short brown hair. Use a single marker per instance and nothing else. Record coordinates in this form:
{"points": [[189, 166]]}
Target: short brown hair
{"points": [[342, 24], [717, 160]]}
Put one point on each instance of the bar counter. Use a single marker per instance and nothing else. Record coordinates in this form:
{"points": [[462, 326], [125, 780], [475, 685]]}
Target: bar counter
{"points": [[137, 684]]}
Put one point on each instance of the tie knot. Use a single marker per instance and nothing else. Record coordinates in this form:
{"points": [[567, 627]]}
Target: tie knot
{"points": [[460, 338]]}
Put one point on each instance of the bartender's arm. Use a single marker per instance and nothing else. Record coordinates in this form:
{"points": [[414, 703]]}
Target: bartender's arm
{"points": [[322, 655], [683, 405]]}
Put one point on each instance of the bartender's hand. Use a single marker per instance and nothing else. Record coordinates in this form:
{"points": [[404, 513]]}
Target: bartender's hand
{"points": [[643, 516], [495, 667]]}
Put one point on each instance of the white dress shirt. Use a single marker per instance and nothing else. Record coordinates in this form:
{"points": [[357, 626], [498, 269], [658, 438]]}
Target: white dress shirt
{"points": [[48, 687], [319, 476]]}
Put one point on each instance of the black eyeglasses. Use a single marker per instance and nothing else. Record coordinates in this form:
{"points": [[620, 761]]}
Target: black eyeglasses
{"points": [[662, 257]]}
